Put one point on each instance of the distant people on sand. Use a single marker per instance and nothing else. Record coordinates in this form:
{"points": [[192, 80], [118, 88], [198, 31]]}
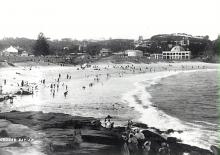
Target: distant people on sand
{"points": [[91, 84], [22, 83], [11, 98], [65, 93], [53, 93]]}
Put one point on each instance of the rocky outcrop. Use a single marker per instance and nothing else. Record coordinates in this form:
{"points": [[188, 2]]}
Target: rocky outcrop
{"points": [[58, 133], [64, 134]]}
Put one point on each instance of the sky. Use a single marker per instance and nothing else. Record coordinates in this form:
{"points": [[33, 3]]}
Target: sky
{"points": [[104, 19]]}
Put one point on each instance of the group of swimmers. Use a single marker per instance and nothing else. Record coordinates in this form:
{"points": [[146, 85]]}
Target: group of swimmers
{"points": [[54, 87]]}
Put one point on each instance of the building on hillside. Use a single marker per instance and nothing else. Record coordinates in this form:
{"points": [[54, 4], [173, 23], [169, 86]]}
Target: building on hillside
{"points": [[105, 52], [157, 56], [10, 51], [119, 54], [66, 48], [140, 38], [176, 53], [134, 53], [24, 54], [143, 43]]}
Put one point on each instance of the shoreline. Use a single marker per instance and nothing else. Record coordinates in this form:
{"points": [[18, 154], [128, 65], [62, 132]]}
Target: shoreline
{"points": [[160, 118], [142, 73]]}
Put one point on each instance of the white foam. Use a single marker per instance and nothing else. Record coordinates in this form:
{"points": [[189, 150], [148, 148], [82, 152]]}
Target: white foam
{"points": [[192, 134]]}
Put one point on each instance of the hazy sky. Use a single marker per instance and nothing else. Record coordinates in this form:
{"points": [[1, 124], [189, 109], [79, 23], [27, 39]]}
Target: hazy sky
{"points": [[102, 19]]}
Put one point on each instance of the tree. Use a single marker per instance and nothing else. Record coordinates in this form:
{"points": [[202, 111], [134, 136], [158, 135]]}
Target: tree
{"points": [[218, 46], [41, 46], [93, 48]]}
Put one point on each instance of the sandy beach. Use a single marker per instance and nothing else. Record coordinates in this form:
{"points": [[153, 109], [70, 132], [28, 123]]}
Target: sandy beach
{"points": [[103, 87], [96, 90]]}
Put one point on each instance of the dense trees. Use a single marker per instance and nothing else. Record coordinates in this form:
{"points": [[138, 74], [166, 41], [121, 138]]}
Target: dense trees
{"points": [[216, 46], [24, 43], [41, 46], [117, 45], [157, 44], [93, 48]]}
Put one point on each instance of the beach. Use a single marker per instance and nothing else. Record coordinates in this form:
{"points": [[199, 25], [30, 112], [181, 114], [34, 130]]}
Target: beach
{"points": [[101, 89]]}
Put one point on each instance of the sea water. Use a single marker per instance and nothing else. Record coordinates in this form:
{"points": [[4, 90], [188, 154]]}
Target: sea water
{"points": [[183, 100]]}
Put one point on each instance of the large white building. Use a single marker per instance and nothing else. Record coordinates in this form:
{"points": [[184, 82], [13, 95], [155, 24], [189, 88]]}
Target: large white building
{"points": [[176, 53], [157, 56]]}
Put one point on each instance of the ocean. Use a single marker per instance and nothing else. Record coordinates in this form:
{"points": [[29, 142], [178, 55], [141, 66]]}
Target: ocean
{"points": [[186, 101]]}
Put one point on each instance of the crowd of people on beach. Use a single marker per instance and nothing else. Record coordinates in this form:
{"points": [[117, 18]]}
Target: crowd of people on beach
{"points": [[99, 73], [54, 86]]}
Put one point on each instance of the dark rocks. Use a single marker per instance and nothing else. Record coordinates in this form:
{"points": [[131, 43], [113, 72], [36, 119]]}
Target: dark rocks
{"points": [[101, 137], [16, 144], [3, 133], [154, 136], [140, 125], [63, 134], [66, 134], [173, 140], [39, 120]]}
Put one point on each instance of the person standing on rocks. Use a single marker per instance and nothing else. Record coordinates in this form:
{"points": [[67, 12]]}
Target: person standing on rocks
{"points": [[11, 98], [129, 126], [133, 144], [108, 123], [146, 148], [125, 149], [140, 138]]}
